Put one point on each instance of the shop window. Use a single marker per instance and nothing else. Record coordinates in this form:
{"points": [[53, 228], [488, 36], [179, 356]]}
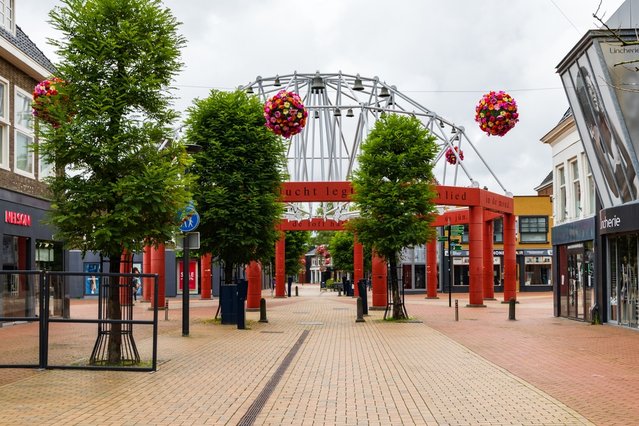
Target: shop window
{"points": [[533, 229]]}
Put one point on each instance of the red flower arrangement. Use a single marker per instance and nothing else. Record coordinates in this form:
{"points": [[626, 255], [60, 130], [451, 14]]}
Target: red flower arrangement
{"points": [[47, 99], [496, 113], [450, 155], [285, 114]]}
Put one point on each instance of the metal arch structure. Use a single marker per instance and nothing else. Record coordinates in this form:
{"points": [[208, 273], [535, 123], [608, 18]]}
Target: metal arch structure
{"points": [[342, 109]]}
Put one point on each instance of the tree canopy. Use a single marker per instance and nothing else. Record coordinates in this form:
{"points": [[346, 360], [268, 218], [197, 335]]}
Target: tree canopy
{"points": [[296, 246], [394, 190], [113, 190], [240, 170]]}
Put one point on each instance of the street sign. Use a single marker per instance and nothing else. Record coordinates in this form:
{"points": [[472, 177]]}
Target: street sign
{"points": [[455, 247], [456, 229], [193, 239], [190, 222], [442, 239]]}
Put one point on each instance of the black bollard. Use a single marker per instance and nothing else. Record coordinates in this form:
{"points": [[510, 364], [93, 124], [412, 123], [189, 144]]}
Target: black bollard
{"points": [[360, 310], [456, 310], [296, 292], [511, 309], [263, 310]]}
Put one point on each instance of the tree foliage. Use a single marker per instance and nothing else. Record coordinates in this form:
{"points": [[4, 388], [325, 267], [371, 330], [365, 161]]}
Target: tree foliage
{"points": [[240, 172], [117, 57], [394, 189], [113, 190], [296, 246], [342, 251]]}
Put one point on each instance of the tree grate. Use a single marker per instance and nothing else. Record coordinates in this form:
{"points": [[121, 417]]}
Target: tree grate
{"points": [[256, 407]]}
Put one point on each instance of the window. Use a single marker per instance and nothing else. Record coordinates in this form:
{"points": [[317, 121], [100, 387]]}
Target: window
{"points": [[6, 15], [592, 196], [533, 229], [576, 188], [498, 230], [561, 213], [4, 125], [24, 134]]}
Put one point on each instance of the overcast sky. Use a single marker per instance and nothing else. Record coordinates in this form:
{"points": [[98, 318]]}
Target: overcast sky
{"points": [[443, 54]]}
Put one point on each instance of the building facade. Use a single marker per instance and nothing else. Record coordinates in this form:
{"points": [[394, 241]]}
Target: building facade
{"points": [[27, 242]]}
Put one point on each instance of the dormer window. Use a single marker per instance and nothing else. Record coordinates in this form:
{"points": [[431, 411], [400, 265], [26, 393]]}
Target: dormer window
{"points": [[7, 15]]}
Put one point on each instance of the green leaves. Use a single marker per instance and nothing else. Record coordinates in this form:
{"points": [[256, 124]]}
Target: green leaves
{"points": [[240, 172], [394, 185]]}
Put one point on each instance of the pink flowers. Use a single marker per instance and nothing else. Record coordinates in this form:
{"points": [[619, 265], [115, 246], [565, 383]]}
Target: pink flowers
{"points": [[47, 98], [496, 113], [450, 155], [285, 114]]}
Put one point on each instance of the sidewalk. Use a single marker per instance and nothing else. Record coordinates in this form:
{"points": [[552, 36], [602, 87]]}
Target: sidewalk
{"points": [[312, 364]]}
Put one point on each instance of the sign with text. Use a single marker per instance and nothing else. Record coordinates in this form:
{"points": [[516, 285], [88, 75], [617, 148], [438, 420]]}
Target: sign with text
{"points": [[192, 276]]}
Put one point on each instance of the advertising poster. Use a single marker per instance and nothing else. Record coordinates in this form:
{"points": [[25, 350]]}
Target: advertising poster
{"points": [[193, 273], [91, 282]]}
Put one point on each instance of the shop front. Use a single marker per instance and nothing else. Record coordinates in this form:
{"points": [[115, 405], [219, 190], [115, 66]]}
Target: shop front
{"points": [[619, 229], [26, 244]]}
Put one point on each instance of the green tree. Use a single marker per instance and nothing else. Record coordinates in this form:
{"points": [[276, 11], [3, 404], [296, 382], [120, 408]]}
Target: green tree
{"points": [[342, 251], [394, 189], [113, 190], [240, 171], [297, 245]]}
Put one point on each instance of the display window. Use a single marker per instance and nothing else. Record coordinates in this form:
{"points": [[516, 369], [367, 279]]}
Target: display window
{"points": [[623, 291]]}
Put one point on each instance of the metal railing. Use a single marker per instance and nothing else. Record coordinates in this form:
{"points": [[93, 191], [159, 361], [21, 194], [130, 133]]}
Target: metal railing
{"points": [[25, 297]]}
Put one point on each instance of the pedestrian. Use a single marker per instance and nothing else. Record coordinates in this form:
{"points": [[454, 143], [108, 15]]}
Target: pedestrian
{"points": [[135, 284]]}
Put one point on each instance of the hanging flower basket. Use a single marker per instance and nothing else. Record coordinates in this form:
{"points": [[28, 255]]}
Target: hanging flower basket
{"points": [[496, 113], [450, 155], [48, 103], [285, 114]]}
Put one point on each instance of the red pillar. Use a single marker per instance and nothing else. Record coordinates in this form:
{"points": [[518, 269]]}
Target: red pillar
{"points": [[476, 257], [379, 282], [431, 270], [157, 267], [280, 266], [510, 267], [358, 264], [147, 283], [489, 283], [254, 276], [205, 273]]}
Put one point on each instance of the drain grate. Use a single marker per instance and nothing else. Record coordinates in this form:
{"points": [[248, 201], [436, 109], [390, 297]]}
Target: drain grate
{"points": [[271, 332], [256, 407]]}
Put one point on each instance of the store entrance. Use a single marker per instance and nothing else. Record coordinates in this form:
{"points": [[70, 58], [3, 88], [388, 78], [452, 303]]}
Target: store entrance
{"points": [[580, 292]]}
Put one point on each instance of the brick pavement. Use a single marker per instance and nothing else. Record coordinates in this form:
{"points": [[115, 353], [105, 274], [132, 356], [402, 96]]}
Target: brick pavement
{"points": [[434, 372]]}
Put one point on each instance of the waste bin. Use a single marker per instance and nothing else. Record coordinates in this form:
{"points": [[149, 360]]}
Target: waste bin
{"points": [[228, 303]]}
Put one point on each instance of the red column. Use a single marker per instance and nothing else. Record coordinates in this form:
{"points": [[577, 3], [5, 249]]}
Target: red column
{"points": [[205, 273], [476, 256], [358, 264], [510, 267], [280, 266], [147, 283], [431, 270], [254, 276], [157, 267], [379, 282], [489, 283]]}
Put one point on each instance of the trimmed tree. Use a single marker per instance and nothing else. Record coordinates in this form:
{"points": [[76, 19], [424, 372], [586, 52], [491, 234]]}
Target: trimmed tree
{"points": [[296, 246], [394, 190], [342, 251], [113, 191], [240, 173]]}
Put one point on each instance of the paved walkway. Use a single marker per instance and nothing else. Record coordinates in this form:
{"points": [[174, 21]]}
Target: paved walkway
{"points": [[312, 364]]}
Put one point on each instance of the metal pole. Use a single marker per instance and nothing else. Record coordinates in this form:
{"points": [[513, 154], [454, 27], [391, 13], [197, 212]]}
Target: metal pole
{"points": [[450, 270], [185, 287]]}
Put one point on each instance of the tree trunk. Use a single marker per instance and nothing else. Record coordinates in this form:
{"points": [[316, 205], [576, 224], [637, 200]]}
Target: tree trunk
{"points": [[398, 303], [114, 311], [228, 272]]}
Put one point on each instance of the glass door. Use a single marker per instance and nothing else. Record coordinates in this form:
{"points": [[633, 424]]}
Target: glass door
{"points": [[575, 284]]}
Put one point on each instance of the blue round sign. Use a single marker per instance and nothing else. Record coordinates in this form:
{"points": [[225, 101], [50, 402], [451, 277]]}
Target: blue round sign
{"points": [[190, 222]]}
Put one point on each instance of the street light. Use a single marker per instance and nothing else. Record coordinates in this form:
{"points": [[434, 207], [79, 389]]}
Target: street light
{"points": [[190, 149]]}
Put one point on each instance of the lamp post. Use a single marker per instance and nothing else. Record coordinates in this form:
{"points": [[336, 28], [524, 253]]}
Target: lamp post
{"points": [[190, 149]]}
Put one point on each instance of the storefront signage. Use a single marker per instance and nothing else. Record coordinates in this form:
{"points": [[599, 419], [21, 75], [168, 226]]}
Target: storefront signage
{"points": [[15, 218], [619, 219], [581, 230], [315, 224], [316, 191]]}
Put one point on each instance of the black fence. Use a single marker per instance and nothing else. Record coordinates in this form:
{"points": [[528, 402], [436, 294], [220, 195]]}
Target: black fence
{"points": [[95, 333]]}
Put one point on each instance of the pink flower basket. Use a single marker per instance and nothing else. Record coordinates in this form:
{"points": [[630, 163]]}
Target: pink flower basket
{"points": [[496, 113], [450, 155], [285, 114]]}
